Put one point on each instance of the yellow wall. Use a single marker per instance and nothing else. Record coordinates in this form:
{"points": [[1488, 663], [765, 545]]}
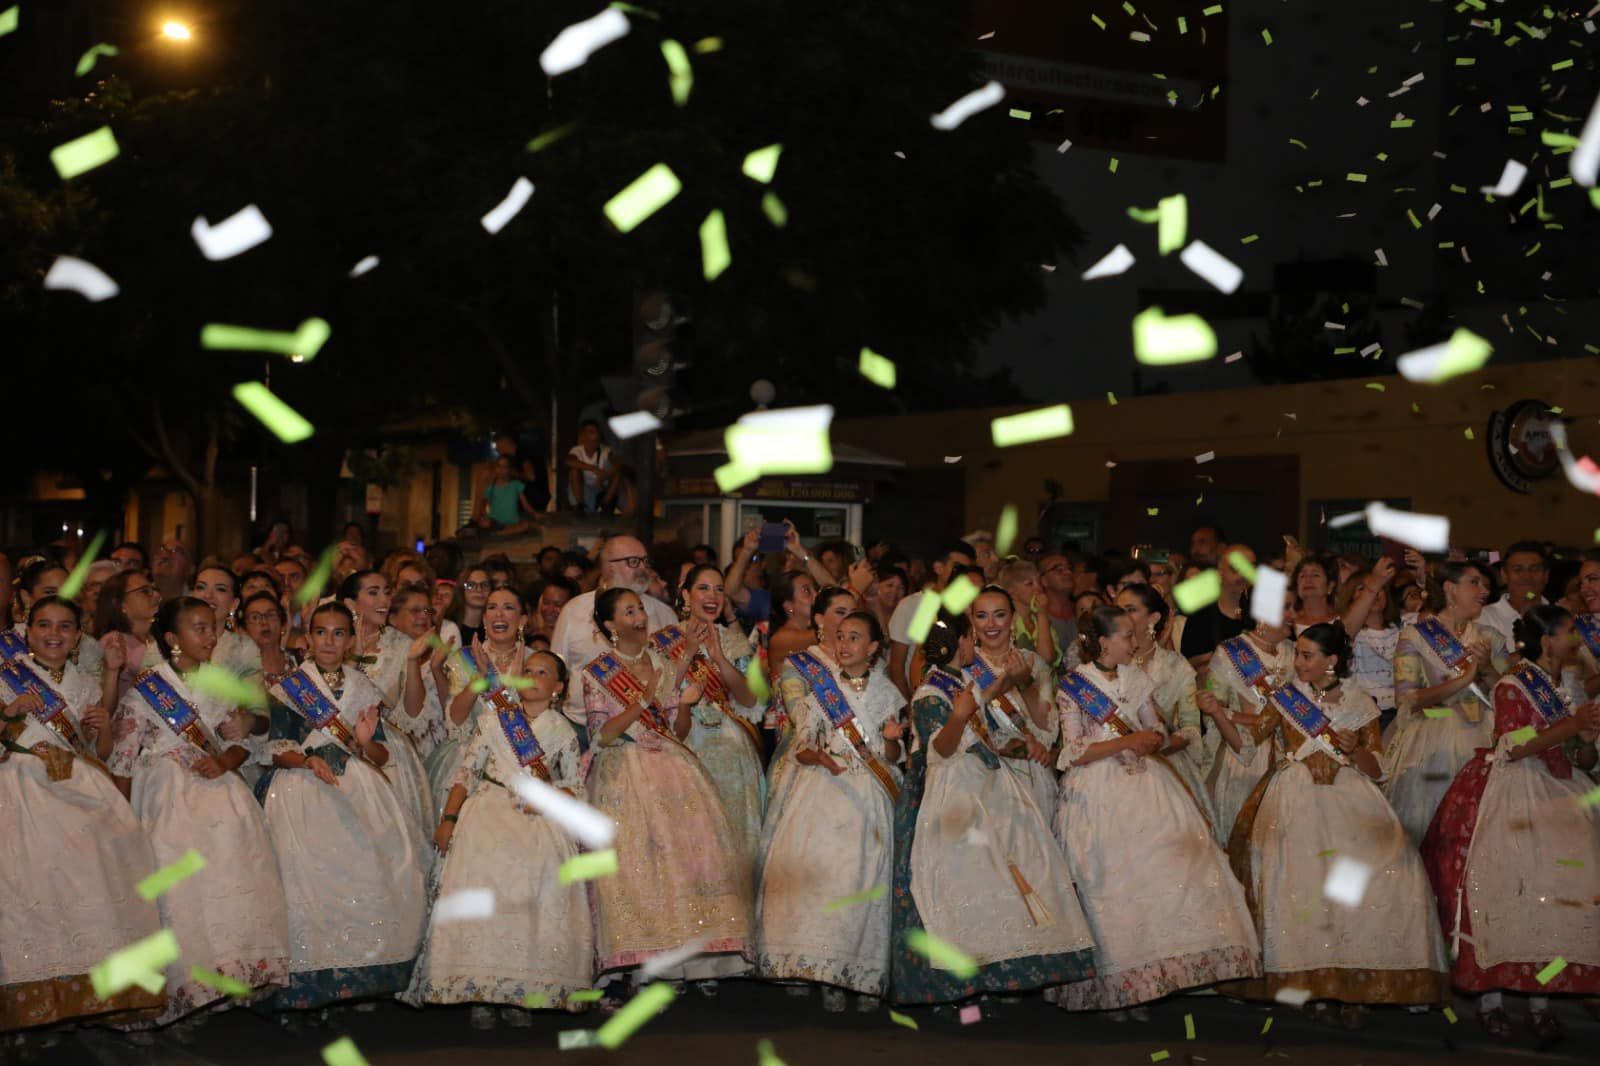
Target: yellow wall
{"points": [[1352, 441]]}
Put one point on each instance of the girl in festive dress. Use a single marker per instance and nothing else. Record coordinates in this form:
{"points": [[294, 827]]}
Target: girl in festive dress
{"points": [[834, 836], [1174, 682], [124, 616], [1027, 727], [535, 947], [1166, 911], [1372, 619], [1318, 812], [380, 651], [682, 874], [238, 654], [502, 650], [967, 830], [421, 715], [75, 850], [724, 730], [1514, 847], [352, 877], [229, 917], [1242, 673], [1444, 668]]}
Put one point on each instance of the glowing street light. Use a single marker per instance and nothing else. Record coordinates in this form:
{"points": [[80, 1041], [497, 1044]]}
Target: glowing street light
{"points": [[173, 30]]}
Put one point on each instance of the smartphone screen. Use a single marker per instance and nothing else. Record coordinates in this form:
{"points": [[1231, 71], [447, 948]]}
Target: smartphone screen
{"points": [[773, 535]]}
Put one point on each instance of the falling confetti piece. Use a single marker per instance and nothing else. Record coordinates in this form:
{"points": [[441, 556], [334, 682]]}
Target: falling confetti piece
{"points": [[1212, 265], [228, 986], [1450, 1015], [651, 1001], [876, 892], [572, 1039], [588, 866], [234, 235], [9, 19], [940, 955], [1294, 997], [535, 1000], [958, 596], [1197, 592], [1585, 162], [579, 820], [302, 345], [1424, 532], [587, 995], [1114, 262], [506, 210], [84, 153], [1266, 35], [1250, 238], [791, 440], [922, 621], [971, 1014], [968, 105], [774, 209], [343, 1052], [1523, 735], [1243, 566], [1112, 166], [1266, 602], [1347, 881], [901, 1019], [876, 369], [761, 164], [311, 588], [633, 424], [1377, 386], [658, 965], [1188, 1027], [643, 197], [1576, 864], [87, 61], [367, 263], [574, 45], [1266, 1027], [766, 1056], [1005, 530], [82, 277], [1044, 423], [680, 78], [1172, 226], [715, 257], [163, 879], [140, 963], [1438, 712], [284, 421], [80, 571], [756, 678], [1160, 1056], [1548, 974], [1159, 340], [550, 136], [464, 905], [227, 686]]}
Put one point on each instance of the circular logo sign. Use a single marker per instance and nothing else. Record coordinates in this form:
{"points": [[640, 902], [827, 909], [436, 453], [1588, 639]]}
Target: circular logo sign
{"points": [[1520, 448]]}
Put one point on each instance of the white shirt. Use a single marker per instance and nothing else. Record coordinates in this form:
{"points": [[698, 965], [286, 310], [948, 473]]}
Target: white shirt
{"points": [[578, 642], [1500, 616]]}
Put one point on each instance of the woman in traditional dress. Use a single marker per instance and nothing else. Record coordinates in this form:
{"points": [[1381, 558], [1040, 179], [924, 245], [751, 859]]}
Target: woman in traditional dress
{"points": [[235, 651], [380, 651], [1317, 819], [1312, 582], [1586, 621], [126, 614], [793, 596], [1514, 847], [264, 621], [1026, 728], [1166, 911], [502, 651], [1444, 666], [352, 876], [230, 917], [682, 874], [834, 835], [73, 850], [1174, 682], [535, 947], [1372, 619], [725, 731], [1242, 673], [35, 581], [967, 829], [421, 713]]}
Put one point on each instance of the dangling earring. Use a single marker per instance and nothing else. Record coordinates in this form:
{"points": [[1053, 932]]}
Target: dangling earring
{"points": [[1151, 630], [612, 637], [522, 631], [1330, 673]]}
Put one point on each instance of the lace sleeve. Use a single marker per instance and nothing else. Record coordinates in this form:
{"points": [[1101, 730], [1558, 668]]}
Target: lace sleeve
{"points": [[475, 761], [1075, 739], [1409, 675]]}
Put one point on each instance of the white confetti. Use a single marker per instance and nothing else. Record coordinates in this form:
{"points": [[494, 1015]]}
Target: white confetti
{"points": [[82, 277], [465, 904], [667, 961], [1234, 357], [1266, 602], [1510, 180], [633, 424], [1413, 79], [1063, 146], [968, 105], [1586, 157], [1212, 265], [1349, 518], [572, 1039], [239, 232], [1205, 457], [582, 821], [574, 45], [1424, 532], [1293, 997], [1369, 349], [1334, 325], [1583, 478], [1361, 101], [366, 264], [1383, 260], [1347, 881], [1433, 212], [506, 210], [1111, 264], [952, 458]]}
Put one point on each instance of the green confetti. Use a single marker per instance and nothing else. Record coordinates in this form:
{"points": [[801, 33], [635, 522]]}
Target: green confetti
{"points": [[1112, 166], [311, 588], [1356, 177], [1244, 567], [940, 955], [87, 60], [876, 369], [1548, 974], [1127, 5], [1172, 227], [958, 596], [303, 344], [549, 137], [681, 78], [163, 879], [586, 995], [80, 571], [588, 866], [900, 1019], [1005, 530], [651, 1001], [536, 1001], [1465, 61], [1152, 511], [1147, 215], [1576, 864], [927, 612], [1555, 139], [1327, 853], [706, 45], [228, 986], [1412, 215], [1297, 142], [1450, 1015], [1469, 434], [9, 18], [1266, 1027], [140, 963], [1523, 735], [1438, 712], [1183, 24], [284, 421], [761, 164], [773, 208], [1402, 123], [1214, 9], [1162, 341], [1562, 65], [1044, 423], [343, 1052], [643, 197], [1017, 112], [1199, 591], [226, 686], [1266, 35], [1097, 20], [85, 153], [1188, 1027], [1111, 399], [876, 892], [714, 254], [1377, 386], [1164, 1055], [1250, 238], [756, 678]]}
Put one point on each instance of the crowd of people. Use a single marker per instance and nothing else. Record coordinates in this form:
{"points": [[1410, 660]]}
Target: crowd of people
{"points": [[914, 782]]}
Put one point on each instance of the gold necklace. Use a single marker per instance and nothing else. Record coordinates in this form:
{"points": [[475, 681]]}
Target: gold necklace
{"points": [[503, 666], [858, 684], [58, 675], [333, 680]]}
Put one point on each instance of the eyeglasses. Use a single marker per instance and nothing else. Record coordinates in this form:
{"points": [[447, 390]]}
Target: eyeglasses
{"points": [[429, 611], [474, 586], [148, 590], [259, 619], [633, 562]]}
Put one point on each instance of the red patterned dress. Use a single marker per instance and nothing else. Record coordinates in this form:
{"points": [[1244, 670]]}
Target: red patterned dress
{"points": [[1514, 855]]}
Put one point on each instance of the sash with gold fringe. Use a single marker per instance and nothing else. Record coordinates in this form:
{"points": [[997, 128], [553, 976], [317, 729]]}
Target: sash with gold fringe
{"points": [[825, 690], [518, 731], [671, 641], [178, 713], [609, 670], [1094, 702], [322, 713], [19, 676], [1309, 720]]}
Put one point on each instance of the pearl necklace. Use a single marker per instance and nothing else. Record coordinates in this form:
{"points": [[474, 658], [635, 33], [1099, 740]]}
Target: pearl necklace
{"points": [[625, 657], [333, 680]]}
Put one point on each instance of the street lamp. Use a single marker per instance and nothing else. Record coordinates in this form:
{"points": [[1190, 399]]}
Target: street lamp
{"points": [[173, 30]]}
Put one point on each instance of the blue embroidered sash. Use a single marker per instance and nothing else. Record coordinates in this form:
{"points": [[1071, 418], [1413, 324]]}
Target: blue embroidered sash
{"points": [[1453, 654], [21, 679], [519, 733], [1294, 707], [613, 676], [178, 713], [312, 704], [1546, 697], [670, 642], [1094, 702], [825, 690], [12, 645], [986, 677], [948, 685], [1589, 629], [1248, 665]]}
